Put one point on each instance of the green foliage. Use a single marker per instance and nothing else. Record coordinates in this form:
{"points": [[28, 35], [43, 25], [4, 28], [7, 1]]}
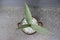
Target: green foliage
{"points": [[23, 26], [28, 15], [39, 28], [28, 18]]}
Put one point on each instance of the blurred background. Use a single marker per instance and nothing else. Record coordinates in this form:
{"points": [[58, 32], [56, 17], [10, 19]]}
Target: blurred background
{"points": [[12, 12], [40, 3]]}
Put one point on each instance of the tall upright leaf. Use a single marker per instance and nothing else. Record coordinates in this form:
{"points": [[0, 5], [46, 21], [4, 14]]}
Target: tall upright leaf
{"points": [[28, 15]]}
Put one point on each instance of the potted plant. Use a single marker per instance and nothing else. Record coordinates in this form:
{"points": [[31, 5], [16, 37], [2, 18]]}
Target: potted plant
{"points": [[29, 24]]}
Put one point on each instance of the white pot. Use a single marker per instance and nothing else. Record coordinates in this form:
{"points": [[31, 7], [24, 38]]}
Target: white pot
{"points": [[29, 30]]}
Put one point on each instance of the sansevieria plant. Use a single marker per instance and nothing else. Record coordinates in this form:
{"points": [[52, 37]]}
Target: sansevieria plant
{"points": [[29, 25]]}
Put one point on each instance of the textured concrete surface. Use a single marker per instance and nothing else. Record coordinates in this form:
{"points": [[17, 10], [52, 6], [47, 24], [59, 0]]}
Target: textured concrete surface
{"points": [[12, 2], [44, 3], [41, 3], [10, 16]]}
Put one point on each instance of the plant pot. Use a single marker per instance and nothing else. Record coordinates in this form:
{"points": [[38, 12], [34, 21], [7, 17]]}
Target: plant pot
{"points": [[29, 30]]}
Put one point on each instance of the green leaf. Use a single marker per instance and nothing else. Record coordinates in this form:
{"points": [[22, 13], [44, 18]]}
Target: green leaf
{"points": [[28, 15], [23, 26], [39, 29]]}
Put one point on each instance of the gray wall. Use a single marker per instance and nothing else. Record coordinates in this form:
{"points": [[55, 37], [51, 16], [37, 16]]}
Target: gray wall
{"points": [[45, 3], [12, 2], [41, 3]]}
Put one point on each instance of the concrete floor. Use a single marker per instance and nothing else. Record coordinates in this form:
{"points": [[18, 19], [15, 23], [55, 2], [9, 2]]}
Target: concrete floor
{"points": [[10, 16]]}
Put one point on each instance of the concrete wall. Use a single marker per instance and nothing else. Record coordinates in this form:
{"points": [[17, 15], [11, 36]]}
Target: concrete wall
{"points": [[41, 3]]}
